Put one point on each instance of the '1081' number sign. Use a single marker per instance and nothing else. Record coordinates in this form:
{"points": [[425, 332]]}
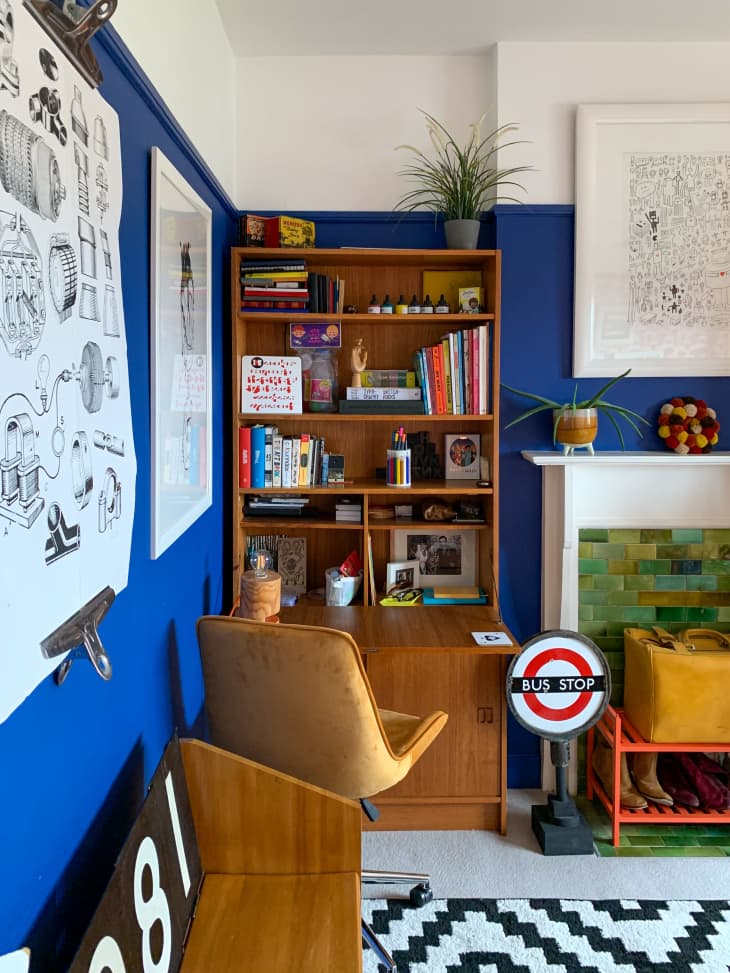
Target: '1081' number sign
{"points": [[141, 922]]}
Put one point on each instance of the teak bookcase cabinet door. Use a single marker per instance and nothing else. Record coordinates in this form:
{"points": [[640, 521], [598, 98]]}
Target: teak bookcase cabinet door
{"points": [[416, 656]]}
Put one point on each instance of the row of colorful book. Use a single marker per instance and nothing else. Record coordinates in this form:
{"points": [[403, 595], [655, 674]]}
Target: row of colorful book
{"points": [[287, 285], [268, 459], [454, 373]]}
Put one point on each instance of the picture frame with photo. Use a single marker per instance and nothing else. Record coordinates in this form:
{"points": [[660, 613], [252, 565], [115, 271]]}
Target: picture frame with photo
{"points": [[444, 556], [462, 456], [401, 574]]}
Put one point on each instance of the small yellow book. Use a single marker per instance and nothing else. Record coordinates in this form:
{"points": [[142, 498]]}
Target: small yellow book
{"points": [[471, 591]]}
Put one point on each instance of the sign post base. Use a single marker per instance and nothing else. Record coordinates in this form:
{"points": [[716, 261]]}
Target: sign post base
{"points": [[554, 837]]}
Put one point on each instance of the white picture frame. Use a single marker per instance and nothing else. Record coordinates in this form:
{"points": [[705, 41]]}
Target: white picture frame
{"points": [[445, 555], [462, 455], [652, 290], [180, 354], [402, 573]]}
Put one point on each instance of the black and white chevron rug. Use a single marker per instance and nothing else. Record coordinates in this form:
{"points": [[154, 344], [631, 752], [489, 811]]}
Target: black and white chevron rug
{"points": [[552, 936]]}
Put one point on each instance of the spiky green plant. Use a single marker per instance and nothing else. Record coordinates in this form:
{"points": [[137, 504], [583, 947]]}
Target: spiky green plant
{"points": [[596, 401], [459, 183]]}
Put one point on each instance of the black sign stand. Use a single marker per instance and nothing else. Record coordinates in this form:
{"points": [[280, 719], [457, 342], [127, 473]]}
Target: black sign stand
{"points": [[558, 825]]}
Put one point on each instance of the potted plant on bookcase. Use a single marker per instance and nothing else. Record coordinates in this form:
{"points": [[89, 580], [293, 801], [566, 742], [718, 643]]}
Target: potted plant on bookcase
{"points": [[575, 423], [460, 183]]}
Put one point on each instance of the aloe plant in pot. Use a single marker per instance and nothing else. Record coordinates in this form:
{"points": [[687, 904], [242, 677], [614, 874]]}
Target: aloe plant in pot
{"points": [[460, 183], [575, 423]]}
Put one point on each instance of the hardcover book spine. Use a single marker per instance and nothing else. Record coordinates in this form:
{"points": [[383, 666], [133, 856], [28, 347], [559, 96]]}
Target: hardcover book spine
{"points": [[244, 457], [296, 445], [304, 453], [269, 456], [258, 455], [438, 380], [446, 373], [382, 394], [468, 378], [323, 479], [484, 389], [286, 450]]}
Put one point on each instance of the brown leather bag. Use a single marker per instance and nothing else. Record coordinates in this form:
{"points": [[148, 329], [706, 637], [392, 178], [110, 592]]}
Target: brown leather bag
{"points": [[677, 687]]}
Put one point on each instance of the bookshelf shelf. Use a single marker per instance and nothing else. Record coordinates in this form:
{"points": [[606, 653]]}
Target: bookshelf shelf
{"points": [[427, 658]]}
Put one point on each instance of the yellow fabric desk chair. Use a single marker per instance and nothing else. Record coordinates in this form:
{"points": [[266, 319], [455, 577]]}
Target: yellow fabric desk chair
{"points": [[297, 698]]}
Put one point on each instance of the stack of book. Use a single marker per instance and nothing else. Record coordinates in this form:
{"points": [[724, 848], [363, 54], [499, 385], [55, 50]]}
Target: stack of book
{"points": [[285, 505], [454, 373], [386, 391], [274, 285], [348, 511]]}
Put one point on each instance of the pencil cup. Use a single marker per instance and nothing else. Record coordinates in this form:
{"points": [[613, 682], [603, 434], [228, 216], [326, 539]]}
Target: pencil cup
{"points": [[398, 468]]}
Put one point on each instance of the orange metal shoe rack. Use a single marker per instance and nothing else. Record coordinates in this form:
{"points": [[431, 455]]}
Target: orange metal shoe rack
{"points": [[622, 737]]}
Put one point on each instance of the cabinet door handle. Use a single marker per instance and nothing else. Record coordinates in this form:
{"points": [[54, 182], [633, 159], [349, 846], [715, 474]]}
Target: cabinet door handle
{"points": [[485, 714]]}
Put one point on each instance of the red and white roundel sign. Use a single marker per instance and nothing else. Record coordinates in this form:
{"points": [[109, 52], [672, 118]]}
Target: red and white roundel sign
{"points": [[559, 684]]}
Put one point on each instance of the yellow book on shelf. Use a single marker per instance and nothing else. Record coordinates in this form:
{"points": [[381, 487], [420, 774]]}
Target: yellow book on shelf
{"points": [[470, 591]]}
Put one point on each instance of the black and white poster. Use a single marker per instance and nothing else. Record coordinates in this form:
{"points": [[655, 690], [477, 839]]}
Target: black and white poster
{"points": [[67, 460]]}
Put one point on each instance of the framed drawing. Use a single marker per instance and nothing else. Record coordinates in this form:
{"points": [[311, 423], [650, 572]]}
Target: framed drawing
{"points": [[652, 263], [180, 355], [444, 557], [401, 574]]}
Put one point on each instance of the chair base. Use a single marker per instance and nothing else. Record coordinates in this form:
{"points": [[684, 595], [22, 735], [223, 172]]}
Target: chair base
{"points": [[420, 893], [385, 960]]}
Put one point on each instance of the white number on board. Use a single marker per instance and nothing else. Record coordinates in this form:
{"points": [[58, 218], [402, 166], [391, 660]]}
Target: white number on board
{"points": [[152, 910], [107, 956]]}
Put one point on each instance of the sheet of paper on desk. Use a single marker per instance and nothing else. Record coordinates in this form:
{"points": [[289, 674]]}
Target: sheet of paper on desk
{"points": [[491, 638]]}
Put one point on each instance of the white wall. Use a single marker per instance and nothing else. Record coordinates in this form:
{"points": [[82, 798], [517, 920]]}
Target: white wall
{"points": [[319, 133], [540, 85], [184, 52]]}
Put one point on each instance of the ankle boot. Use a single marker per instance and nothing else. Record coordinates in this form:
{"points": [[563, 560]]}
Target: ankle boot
{"points": [[643, 766], [603, 767]]}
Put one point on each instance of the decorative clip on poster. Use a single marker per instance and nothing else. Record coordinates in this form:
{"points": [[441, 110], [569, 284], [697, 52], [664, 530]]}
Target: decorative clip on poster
{"points": [[72, 28], [271, 384]]}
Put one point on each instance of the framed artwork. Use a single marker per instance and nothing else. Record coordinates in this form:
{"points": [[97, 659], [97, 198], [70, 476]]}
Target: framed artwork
{"points": [[401, 574], [652, 263], [461, 456], [292, 563], [444, 557], [180, 314]]}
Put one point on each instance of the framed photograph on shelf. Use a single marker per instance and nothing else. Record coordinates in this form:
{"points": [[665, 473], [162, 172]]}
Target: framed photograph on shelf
{"points": [[652, 278], [180, 355], [444, 557], [401, 574], [461, 456]]}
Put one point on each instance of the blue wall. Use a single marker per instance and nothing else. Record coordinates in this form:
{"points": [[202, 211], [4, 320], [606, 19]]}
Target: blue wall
{"points": [[74, 760]]}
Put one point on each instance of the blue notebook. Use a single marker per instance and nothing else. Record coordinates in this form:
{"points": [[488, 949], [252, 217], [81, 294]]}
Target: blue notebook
{"points": [[429, 599]]}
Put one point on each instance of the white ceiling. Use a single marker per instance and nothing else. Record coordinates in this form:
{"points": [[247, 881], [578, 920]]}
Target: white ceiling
{"points": [[438, 27]]}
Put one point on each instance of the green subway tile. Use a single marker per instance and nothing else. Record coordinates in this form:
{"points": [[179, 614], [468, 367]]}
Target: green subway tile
{"points": [[723, 582], [613, 644], [593, 534], [585, 613], [592, 566], [716, 567], [623, 567], [615, 629], [655, 536], [702, 551], [592, 597], [639, 582], [642, 839], [719, 535], [708, 841], [637, 551], [631, 615], [611, 552], [591, 629], [585, 549], [671, 582], [671, 614], [585, 582], [630, 852], [679, 841], [701, 582], [683, 535], [623, 597], [655, 567], [723, 614], [686, 566], [724, 551], [615, 660], [672, 552], [702, 614], [608, 582], [688, 852], [621, 536]]}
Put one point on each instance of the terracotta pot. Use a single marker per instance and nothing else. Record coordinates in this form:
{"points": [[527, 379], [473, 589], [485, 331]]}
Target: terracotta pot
{"points": [[575, 428]]}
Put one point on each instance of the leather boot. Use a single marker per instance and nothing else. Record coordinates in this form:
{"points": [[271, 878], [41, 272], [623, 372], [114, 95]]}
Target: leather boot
{"points": [[603, 767], [643, 766]]}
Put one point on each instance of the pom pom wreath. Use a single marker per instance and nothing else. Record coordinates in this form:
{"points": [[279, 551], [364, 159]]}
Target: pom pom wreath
{"points": [[687, 425]]}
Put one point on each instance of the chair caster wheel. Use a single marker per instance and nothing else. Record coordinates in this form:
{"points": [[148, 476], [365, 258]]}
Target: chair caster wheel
{"points": [[386, 969], [420, 895]]}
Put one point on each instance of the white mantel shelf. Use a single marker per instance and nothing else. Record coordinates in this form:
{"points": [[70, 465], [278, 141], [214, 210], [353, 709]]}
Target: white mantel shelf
{"points": [[636, 458], [639, 490]]}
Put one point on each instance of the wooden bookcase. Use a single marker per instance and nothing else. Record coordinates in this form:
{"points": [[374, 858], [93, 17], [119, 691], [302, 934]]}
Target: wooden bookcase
{"points": [[420, 656]]}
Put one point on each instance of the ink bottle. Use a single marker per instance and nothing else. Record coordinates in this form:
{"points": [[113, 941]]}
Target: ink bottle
{"points": [[373, 306], [414, 307], [442, 307], [386, 307], [427, 306], [401, 307]]}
